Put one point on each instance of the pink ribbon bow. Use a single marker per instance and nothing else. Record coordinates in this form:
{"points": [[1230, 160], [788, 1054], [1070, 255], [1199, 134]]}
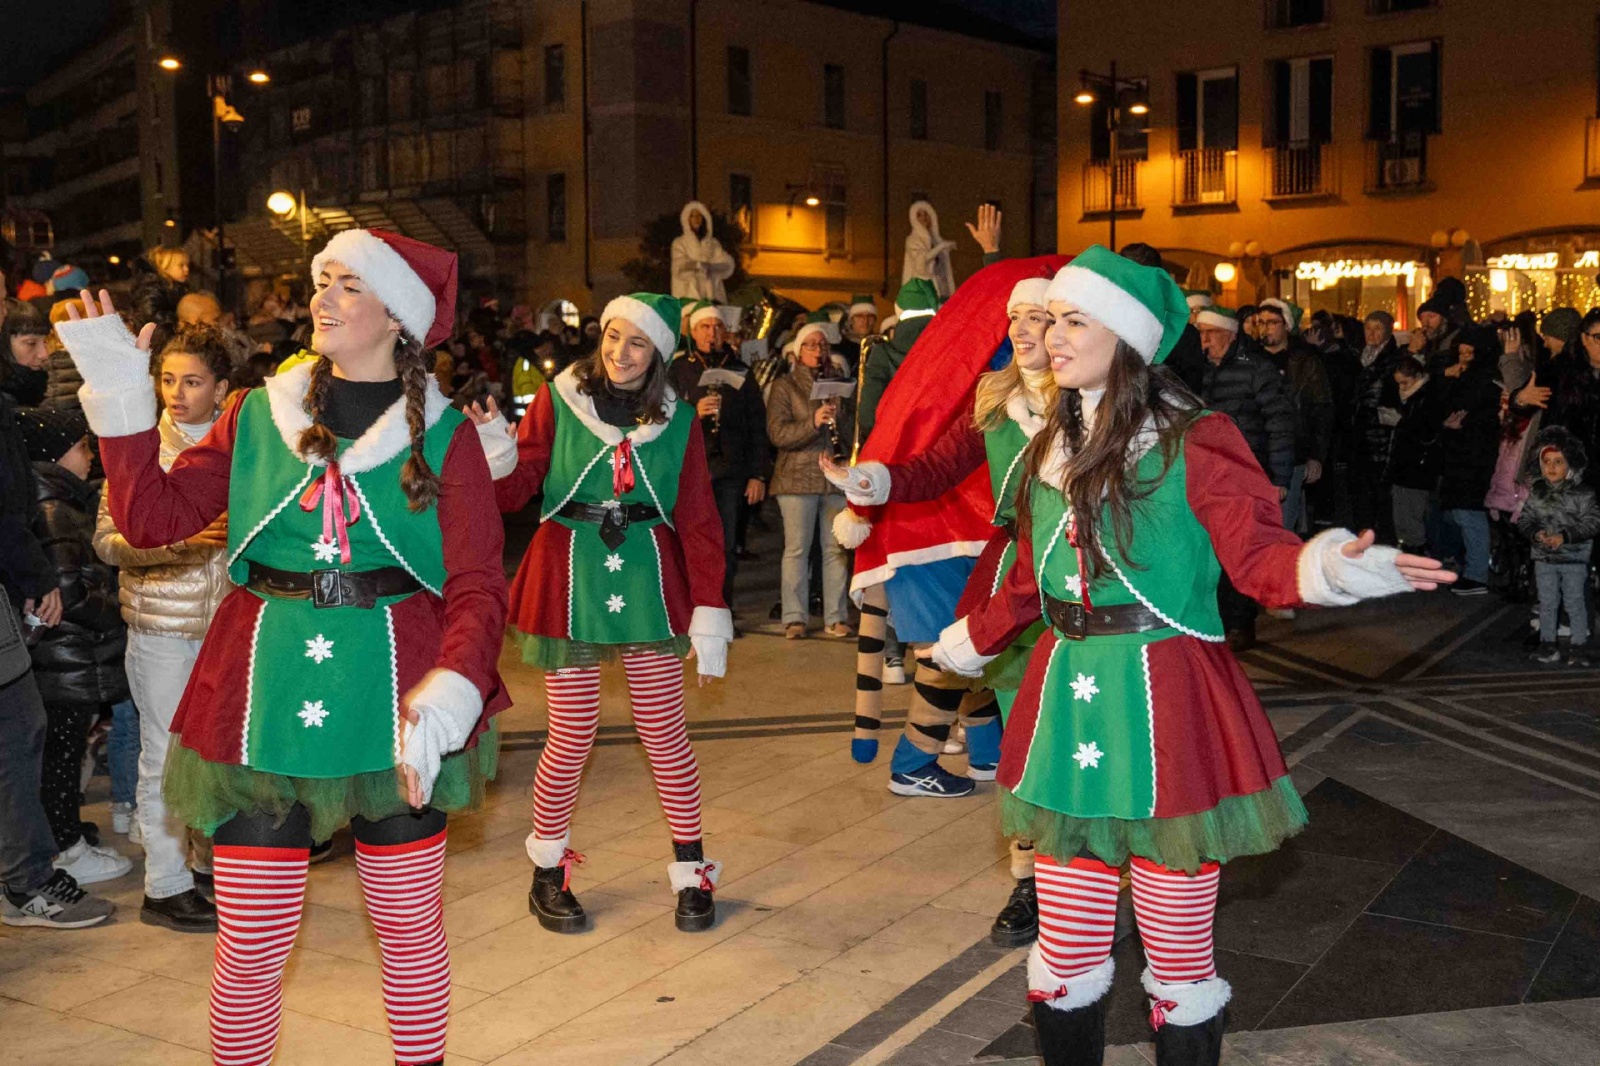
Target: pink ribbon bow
{"points": [[704, 873], [1158, 1012], [569, 859], [1039, 995], [337, 495], [622, 469]]}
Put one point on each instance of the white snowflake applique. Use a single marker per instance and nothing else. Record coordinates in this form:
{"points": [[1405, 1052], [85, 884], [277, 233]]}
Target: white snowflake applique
{"points": [[615, 604], [312, 712], [327, 550], [319, 648], [613, 562], [1088, 756], [1085, 689], [1074, 585]]}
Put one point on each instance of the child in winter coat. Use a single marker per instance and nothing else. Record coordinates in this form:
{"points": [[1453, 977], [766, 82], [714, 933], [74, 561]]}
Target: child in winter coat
{"points": [[1561, 517]]}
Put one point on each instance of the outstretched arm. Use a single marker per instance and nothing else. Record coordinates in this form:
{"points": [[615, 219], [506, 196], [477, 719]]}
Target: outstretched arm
{"points": [[966, 646]]}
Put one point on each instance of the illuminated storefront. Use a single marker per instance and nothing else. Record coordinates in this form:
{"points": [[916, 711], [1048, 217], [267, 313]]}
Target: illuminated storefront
{"points": [[1536, 274], [1356, 279]]}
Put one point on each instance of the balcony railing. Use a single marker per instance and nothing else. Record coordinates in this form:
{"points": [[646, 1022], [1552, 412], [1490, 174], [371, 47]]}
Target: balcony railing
{"points": [[1301, 171], [1097, 174], [1205, 176], [1591, 149], [1399, 164]]}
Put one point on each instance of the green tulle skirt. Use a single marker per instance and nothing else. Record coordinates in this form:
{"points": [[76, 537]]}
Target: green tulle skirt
{"points": [[1236, 827], [205, 794], [556, 653]]}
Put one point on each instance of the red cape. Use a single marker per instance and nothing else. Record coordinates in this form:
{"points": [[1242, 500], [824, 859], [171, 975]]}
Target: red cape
{"points": [[931, 390]]}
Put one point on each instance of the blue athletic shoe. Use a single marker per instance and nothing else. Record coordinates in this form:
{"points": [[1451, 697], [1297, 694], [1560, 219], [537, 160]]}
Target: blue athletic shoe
{"points": [[932, 780], [863, 751]]}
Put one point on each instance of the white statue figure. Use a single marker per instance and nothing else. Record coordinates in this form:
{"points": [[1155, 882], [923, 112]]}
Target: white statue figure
{"points": [[928, 254], [699, 263]]}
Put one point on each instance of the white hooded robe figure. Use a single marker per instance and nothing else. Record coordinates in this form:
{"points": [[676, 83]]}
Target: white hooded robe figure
{"points": [[699, 263], [928, 254]]}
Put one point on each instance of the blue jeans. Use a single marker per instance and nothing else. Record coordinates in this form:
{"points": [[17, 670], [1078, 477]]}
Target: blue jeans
{"points": [[122, 753], [1474, 528], [26, 843]]}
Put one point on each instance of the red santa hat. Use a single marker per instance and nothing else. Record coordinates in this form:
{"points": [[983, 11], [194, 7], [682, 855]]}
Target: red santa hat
{"points": [[416, 281]]}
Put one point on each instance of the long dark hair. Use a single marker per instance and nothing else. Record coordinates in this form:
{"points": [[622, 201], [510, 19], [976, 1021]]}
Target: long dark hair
{"points": [[592, 380], [1098, 472], [418, 480]]}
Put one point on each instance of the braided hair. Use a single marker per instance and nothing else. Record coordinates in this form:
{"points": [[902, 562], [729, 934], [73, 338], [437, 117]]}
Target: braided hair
{"points": [[419, 481]]}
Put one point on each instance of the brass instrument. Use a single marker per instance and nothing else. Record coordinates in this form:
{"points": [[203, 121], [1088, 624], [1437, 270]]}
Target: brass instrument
{"points": [[861, 376]]}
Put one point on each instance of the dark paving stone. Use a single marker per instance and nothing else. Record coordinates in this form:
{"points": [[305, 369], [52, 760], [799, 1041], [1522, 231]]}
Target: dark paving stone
{"points": [[1549, 1035], [1017, 1042], [1386, 967], [981, 1018], [1346, 821], [1258, 984], [1293, 904], [1010, 987], [1376, 731], [1451, 882], [831, 1055], [936, 1047], [1573, 969]]}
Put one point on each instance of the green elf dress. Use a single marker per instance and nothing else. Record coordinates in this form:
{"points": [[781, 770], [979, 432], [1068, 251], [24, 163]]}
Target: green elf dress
{"points": [[293, 702], [1152, 743]]}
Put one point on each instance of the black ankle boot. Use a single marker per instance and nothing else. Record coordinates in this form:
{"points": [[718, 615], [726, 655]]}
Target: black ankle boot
{"points": [[1074, 1037], [557, 909], [1018, 923], [1190, 1045], [696, 909]]}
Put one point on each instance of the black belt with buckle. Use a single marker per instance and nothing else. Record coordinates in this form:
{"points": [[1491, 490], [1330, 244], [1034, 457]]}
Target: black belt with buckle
{"points": [[612, 518], [333, 588], [1075, 623]]}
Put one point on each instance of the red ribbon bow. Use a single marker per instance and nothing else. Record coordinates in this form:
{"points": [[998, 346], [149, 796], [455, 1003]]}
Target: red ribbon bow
{"points": [[622, 469], [337, 494], [1037, 995], [1158, 1012], [704, 873], [569, 859]]}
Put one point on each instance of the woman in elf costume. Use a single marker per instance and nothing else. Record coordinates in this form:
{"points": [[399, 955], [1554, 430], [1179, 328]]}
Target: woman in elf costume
{"points": [[1008, 410], [352, 675], [1135, 736], [627, 564]]}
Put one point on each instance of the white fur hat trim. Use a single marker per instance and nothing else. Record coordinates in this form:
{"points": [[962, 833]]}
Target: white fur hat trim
{"points": [[386, 272]]}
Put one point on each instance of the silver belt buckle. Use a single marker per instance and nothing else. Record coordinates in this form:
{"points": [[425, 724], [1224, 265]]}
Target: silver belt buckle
{"points": [[327, 588], [1076, 622]]}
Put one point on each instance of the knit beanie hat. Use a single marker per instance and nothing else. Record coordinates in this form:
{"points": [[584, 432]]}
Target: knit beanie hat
{"points": [[1197, 299], [861, 304], [1290, 311], [1562, 323], [701, 310], [48, 433], [1217, 318], [1028, 291], [416, 281], [1141, 305], [655, 315]]}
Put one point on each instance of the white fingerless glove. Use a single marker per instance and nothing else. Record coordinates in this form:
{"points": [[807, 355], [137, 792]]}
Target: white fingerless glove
{"points": [[710, 631], [499, 446], [1330, 578], [118, 394], [448, 707], [954, 653], [865, 485]]}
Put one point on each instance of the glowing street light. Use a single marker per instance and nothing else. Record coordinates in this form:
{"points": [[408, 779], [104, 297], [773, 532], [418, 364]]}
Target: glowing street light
{"points": [[1139, 109], [169, 63], [282, 204], [812, 201], [258, 77], [1084, 97], [1225, 272]]}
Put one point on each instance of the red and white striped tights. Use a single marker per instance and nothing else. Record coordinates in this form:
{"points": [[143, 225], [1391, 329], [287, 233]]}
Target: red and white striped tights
{"points": [[260, 894], [655, 687], [1078, 913]]}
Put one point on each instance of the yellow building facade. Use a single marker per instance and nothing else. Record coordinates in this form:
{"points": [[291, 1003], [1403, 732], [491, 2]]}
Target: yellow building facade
{"points": [[1342, 153], [756, 109]]}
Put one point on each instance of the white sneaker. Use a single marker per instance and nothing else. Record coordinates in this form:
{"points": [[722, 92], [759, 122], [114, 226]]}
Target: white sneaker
{"points": [[90, 865], [894, 671], [957, 742], [122, 820]]}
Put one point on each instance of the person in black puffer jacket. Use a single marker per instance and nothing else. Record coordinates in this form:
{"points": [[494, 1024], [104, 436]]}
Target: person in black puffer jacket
{"points": [[1561, 518], [1469, 444], [78, 663], [1377, 413]]}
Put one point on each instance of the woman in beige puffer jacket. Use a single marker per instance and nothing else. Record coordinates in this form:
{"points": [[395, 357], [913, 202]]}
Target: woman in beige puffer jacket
{"points": [[168, 596]]}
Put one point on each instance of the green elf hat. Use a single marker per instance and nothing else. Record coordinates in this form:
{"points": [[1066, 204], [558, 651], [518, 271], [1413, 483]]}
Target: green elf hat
{"points": [[701, 310], [917, 299], [1291, 312], [655, 315], [1141, 305], [862, 304], [1198, 299], [1218, 318]]}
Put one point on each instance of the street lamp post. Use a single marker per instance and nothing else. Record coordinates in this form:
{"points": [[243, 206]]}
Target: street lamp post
{"points": [[1114, 86], [284, 204]]}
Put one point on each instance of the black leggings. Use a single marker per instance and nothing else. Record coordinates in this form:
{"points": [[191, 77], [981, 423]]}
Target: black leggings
{"points": [[65, 740], [263, 831]]}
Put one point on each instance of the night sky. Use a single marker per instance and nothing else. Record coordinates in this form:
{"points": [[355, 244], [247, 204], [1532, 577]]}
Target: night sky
{"points": [[34, 35]]}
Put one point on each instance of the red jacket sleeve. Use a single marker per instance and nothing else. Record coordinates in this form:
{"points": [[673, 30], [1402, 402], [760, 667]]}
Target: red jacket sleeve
{"points": [[1239, 508], [698, 524], [942, 467], [475, 581], [536, 436], [1003, 617], [153, 507]]}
